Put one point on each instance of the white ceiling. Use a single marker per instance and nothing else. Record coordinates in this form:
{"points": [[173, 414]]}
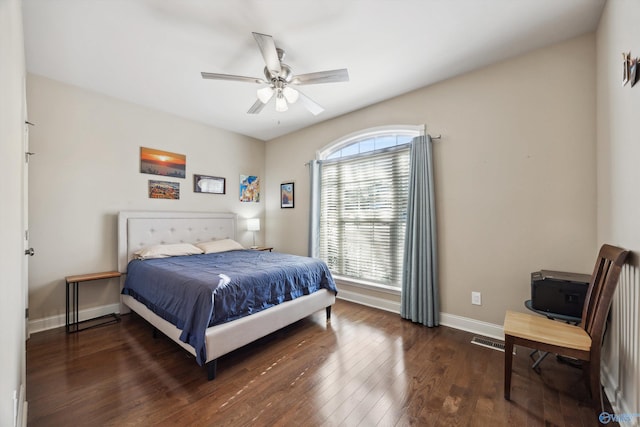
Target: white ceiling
{"points": [[151, 52]]}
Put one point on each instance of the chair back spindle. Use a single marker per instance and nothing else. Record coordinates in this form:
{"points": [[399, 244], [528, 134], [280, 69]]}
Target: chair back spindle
{"points": [[600, 292]]}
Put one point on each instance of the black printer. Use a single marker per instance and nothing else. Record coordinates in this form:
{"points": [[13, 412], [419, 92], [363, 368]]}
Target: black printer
{"points": [[559, 292]]}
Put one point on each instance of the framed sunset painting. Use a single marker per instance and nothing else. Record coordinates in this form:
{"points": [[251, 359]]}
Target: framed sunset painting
{"points": [[157, 162]]}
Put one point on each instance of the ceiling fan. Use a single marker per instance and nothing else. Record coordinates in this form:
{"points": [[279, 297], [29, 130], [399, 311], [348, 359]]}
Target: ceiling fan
{"points": [[279, 79]]}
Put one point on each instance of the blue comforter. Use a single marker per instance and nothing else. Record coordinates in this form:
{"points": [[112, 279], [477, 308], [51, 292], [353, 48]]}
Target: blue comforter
{"points": [[197, 291]]}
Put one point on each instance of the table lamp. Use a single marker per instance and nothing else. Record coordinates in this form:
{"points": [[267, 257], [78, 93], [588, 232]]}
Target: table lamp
{"points": [[253, 224]]}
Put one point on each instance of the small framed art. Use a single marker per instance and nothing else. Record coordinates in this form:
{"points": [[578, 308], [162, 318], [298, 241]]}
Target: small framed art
{"points": [[164, 190], [249, 188], [286, 195], [209, 184]]}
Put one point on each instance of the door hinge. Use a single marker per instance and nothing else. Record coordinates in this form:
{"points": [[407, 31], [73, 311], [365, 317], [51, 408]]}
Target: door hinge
{"points": [[26, 156], [26, 313]]}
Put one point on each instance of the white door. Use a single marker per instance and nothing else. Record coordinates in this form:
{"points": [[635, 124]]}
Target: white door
{"points": [[25, 259], [28, 250], [12, 214]]}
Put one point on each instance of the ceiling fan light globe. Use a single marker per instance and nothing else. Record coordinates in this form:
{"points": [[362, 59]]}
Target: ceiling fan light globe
{"points": [[281, 104], [265, 94], [290, 94]]}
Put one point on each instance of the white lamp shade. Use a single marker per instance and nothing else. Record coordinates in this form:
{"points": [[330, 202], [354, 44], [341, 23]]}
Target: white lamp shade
{"points": [[265, 94], [253, 224], [290, 94], [281, 103]]}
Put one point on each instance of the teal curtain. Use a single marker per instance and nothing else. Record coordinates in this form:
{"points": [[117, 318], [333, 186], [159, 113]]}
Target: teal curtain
{"points": [[420, 299]]}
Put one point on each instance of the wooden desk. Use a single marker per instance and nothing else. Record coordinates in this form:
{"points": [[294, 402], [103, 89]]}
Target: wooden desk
{"points": [[72, 306]]}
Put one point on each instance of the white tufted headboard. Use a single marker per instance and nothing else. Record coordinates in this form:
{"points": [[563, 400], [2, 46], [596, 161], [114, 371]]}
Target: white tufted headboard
{"points": [[138, 229]]}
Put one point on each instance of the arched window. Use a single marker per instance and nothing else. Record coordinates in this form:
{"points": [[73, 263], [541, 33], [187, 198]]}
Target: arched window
{"points": [[363, 202]]}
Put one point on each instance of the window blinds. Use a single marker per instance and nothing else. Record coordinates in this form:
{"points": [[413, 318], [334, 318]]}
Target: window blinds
{"points": [[363, 215]]}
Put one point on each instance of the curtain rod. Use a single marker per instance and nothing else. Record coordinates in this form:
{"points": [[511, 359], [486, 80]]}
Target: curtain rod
{"points": [[424, 132]]}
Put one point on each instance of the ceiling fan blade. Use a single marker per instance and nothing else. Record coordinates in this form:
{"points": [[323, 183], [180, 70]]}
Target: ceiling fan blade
{"points": [[268, 49], [216, 76], [331, 76], [256, 107], [310, 104]]}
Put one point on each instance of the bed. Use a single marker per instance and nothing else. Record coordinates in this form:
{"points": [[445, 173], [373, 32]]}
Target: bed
{"points": [[142, 229]]}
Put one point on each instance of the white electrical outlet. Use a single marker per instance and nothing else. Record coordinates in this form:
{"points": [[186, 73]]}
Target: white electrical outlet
{"points": [[476, 298]]}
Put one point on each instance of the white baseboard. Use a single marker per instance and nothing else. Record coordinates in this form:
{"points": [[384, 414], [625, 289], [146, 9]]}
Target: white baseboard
{"points": [[451, 320], [479, 327], [370, 301], [52, 322]]}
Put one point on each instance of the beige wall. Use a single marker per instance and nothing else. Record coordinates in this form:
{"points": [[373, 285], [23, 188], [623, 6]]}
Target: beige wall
{"points": [[618, 153], [86, 170], [618, 134], [515, 173], [12, 302]]}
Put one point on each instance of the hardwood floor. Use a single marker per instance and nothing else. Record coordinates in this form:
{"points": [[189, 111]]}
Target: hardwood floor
{"points": [[364, 368]]}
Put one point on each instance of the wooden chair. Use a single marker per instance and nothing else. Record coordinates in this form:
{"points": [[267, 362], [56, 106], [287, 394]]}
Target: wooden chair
{"points": [[583, 342]]}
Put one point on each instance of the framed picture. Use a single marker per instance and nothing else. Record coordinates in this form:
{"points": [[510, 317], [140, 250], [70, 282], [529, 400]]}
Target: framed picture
{"points": [[209, 184], [286, 195], [164, 190], [164, 163], [249, 188]]}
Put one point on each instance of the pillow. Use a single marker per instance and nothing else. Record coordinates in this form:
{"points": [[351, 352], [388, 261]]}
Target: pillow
{"points": [[219, 246], [164, 251]]}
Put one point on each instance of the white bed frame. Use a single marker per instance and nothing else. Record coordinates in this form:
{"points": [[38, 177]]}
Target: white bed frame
{"points": [[138, 229]]}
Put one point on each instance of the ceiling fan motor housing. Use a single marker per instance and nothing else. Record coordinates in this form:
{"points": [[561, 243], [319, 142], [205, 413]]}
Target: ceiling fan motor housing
{"points": [[285, 74]]}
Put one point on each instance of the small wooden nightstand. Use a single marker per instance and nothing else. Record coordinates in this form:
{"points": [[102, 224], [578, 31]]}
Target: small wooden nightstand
{"points": [[72, 306], [262, 248]]}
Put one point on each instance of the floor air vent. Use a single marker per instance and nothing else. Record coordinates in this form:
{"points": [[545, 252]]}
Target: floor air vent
{"points": [[486, 342]]}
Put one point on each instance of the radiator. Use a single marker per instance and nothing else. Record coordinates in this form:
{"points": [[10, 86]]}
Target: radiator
{"points": [[621, 353]]}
